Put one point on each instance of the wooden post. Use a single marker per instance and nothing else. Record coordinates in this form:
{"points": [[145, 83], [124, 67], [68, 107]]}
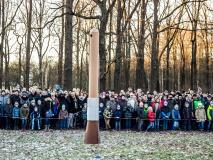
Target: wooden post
{"points": [[92, 129]]}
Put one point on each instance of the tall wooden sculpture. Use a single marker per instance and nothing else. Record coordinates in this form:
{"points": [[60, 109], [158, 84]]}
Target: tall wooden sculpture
{"points": [[92, 129]]}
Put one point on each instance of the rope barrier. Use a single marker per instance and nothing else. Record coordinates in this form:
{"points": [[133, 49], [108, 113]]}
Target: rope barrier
{"points": [[108, 118]]}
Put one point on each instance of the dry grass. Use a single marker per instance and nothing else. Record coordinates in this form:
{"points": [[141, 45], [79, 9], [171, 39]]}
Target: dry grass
{"points": [[114, 145]]}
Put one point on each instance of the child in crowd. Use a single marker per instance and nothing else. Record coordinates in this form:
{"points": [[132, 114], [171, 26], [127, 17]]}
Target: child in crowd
{"points": [[16, 115], [165, 114], [151, 118], [176, 117], [63, 114], [200, 115], [24, 113], [117, 115], [35, 119], [107, 116], [140, 116], [8, 114], [101, 116], [128, 110], [157, 115], [187, 115], [84, 115], [49, 114]]}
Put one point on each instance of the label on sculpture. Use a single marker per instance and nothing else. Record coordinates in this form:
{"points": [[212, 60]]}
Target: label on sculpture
{"points": [[92, 109]]}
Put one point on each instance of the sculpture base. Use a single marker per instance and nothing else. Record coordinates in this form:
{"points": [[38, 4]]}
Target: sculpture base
{"points": [[92, 133]]}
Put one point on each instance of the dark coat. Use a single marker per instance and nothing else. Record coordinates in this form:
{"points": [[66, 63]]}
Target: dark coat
{"points": [[140, 112], [117, 114], [187, 112]]}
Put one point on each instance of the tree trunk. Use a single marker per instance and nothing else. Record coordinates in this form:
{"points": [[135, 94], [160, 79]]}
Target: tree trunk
{"points": [[61, 50], [102, 42], [154, 54], [7, 58], [194, 46], [118, 48], [41, 82], [27, 69], [141, 78], [19, 63], [182, 74], [207, 80], [193, 61], [2, 41], [68, 46], [78, 53], [168, 49], [128, 59], [110, 52]]}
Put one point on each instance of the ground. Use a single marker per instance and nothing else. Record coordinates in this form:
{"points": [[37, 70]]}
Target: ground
{"points": [[114, 145]]}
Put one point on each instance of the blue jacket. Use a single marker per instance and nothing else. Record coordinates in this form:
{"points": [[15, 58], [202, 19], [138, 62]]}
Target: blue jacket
{"points": [[3, 100], [175, 114], [16, 112], [117, 114]]}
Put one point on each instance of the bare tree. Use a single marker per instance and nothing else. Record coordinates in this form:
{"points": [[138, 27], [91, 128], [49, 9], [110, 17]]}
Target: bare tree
{"points": [[68, 46], [154, 54], [141, 78], [2, 40], [28, 45]]}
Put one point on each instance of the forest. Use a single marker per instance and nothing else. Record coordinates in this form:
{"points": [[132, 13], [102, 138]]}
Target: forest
{"points": [[148, 44]]}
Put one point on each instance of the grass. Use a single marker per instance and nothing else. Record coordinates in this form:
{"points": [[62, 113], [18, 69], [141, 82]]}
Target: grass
{"points": [[114, 145]]}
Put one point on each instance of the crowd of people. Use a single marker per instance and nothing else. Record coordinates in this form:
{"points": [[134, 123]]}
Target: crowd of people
{"points": [[39, 109]]}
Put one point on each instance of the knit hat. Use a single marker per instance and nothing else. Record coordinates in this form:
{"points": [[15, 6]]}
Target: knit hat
{"points": [[24, 94]]}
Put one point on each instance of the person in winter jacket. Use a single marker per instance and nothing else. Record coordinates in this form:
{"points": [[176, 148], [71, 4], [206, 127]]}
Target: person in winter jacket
{"points": [[196, 102], [49, 114], [112, 103], [3, 99], [56, 107], [8, 114], [71, 107], [210, 116], [176, 117], [165, 114], [140, 115], [128, 116], [200, 115], [151, 118], [15, 97], [24, 98], [187, 115], [117, 116], [132, 101], [157, 112], [35, 119], [32, 106], [63, 114], [24, 113], [107, 116], [16, 115], [101, 116], [84, 114]]}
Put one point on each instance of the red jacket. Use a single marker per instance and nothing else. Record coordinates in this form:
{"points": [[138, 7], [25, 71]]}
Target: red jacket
{"points": [[151, 116]]}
